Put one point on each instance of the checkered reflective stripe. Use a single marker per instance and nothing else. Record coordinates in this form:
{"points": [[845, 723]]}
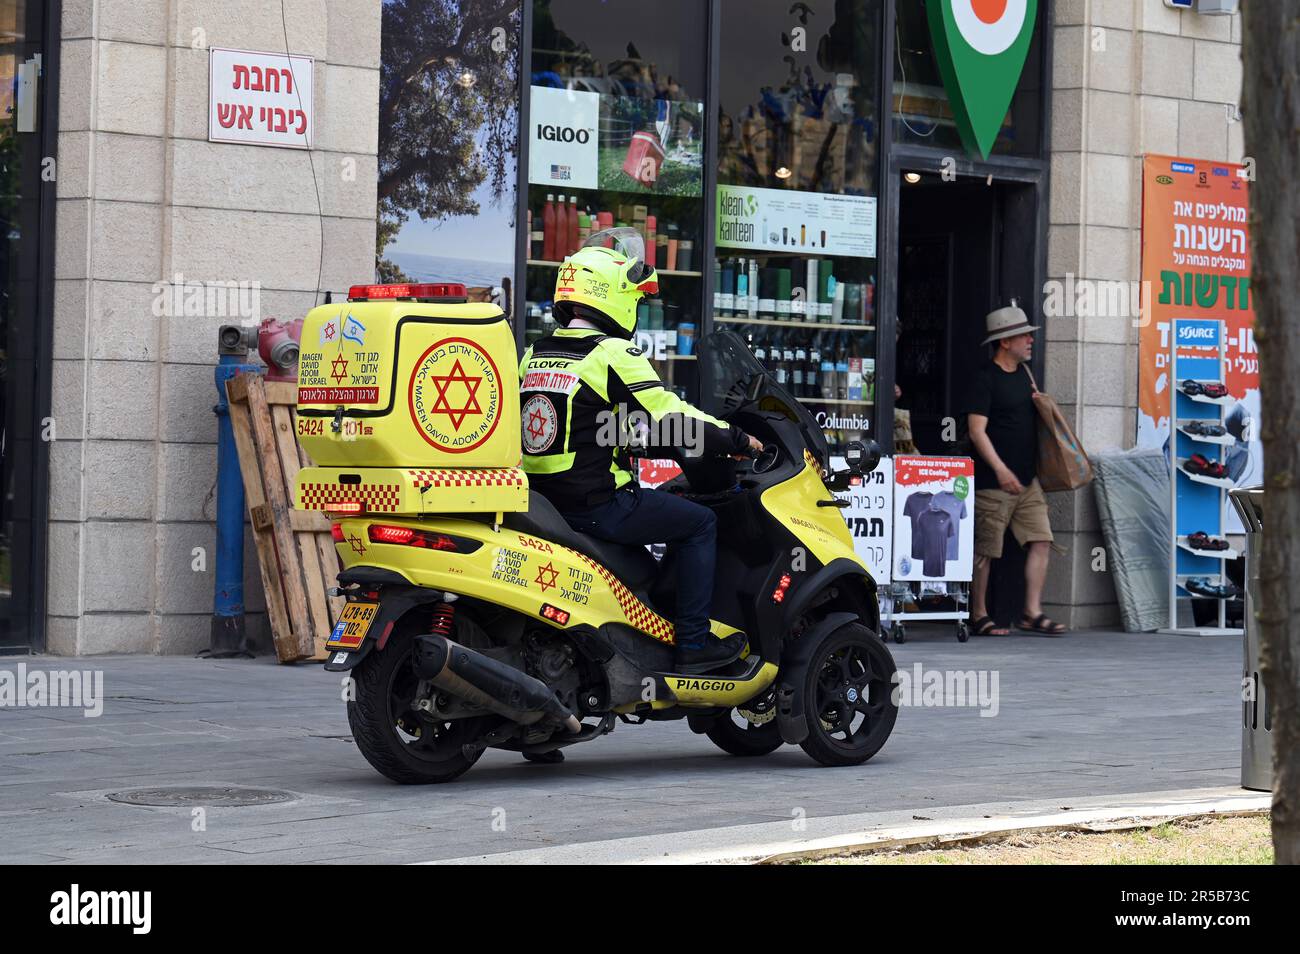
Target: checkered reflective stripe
{"points": [[461, 477], [637, 613], [379, 498]]}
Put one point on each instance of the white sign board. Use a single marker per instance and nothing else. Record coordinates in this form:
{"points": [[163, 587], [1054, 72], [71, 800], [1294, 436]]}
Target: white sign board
{"points": [[934, 518], [870, 516], [777, 220], [563, 146], [263, 99]]}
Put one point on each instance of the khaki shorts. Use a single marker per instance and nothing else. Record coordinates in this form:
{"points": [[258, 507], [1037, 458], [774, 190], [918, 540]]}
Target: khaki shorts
{"points": [[1025, 513]]}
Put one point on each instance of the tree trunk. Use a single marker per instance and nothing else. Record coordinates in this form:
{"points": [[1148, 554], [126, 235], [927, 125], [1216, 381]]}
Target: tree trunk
{"points": [[1271, 112]]}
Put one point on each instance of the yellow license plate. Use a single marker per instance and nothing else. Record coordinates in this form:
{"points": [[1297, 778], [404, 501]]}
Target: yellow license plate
{"points": [[350, 631]]}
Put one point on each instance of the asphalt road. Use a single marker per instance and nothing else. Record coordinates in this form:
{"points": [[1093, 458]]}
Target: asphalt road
{"points": [[1093, 714]]}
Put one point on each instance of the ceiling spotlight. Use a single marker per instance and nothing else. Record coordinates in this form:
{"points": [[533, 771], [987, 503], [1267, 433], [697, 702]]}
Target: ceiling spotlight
{"points": [[783, 173], [912, 177]]}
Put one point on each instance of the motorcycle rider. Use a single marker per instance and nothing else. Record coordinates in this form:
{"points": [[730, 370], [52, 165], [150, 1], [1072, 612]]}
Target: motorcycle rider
{"points": [[587, 375]]}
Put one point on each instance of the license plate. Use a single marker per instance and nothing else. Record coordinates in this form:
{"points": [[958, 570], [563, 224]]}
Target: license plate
{"points": [[350, 631]]}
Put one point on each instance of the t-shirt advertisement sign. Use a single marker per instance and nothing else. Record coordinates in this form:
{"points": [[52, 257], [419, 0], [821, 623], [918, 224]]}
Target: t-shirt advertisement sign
{"points": [[263, 99], [778, 220], [1196, 263], [563, 138], [870, 516], [934, 518]]}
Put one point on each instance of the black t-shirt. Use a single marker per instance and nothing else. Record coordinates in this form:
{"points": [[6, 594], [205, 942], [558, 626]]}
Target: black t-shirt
{"points": [[1006, 399]]}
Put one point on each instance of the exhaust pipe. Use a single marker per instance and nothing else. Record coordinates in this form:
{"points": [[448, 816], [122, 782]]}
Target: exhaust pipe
{"points": [[487, 682]]}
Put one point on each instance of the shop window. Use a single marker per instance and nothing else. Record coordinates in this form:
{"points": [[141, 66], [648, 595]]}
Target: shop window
{"points": [[922, 114], [798, 155], [617, 138]]}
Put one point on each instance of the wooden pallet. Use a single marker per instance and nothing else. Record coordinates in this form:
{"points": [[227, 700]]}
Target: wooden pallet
{"points": [[294, 547]]}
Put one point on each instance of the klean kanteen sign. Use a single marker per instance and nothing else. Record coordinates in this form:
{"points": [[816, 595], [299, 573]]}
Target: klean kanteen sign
{"points": [[1196, 263], [263, 99], [563, 142], [783, 220], [980, 47]]}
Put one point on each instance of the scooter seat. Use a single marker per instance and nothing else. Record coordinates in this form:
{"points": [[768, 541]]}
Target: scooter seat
{"points": [[633, 565]]}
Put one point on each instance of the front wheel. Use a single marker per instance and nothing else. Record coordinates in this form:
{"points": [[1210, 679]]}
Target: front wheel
{"points": [[748, 730], [848, 697], [402, 742]]}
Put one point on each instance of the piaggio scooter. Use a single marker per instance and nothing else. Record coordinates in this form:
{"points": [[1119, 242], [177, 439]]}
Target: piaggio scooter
{"points": [[477, 618]]}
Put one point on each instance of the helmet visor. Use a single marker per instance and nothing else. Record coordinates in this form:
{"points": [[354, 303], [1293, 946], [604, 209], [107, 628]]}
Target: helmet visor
{"points": [[625, 241]]}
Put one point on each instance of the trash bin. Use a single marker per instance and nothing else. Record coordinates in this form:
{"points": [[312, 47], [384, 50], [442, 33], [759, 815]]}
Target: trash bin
{"points": [[1256, 720]]}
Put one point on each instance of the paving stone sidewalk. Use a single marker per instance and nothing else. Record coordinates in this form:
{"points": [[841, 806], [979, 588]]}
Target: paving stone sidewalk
{"points": [[1092, 714]]}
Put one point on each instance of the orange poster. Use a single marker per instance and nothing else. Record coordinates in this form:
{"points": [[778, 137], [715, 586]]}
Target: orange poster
{"points": [[1196, 264]]}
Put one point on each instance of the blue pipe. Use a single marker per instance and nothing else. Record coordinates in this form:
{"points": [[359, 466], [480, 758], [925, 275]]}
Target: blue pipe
{"points": [[228, 634]]}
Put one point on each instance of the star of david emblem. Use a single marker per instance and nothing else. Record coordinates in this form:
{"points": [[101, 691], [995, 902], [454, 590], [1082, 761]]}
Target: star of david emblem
{"points": [[567, 274], [339, 369], [442, 406], [357, 546], [329, 331], [542, 577], [536, 424]]}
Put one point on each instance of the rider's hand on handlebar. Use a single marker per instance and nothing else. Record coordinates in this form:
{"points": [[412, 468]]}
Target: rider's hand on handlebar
{"points": [[755, 444]]}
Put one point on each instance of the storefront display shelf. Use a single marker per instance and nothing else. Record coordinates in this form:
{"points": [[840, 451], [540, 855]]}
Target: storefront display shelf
{"points": [[1226, 440], [1226, 401], [1228, 554], [677, 273], [776, 323], [838, 402], [1223, 482]]}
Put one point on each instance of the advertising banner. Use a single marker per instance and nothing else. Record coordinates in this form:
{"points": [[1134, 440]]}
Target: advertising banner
{"points": [[1196, 263], [563, 136], [263, 99], [870, 516], [934, 518], [777, 220]]}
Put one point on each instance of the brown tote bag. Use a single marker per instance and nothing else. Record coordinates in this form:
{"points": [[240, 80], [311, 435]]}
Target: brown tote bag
{"points": [[1062, 462]]}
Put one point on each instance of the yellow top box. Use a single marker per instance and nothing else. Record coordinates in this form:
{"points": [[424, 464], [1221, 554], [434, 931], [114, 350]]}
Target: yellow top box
{"points": [[409, 384]]}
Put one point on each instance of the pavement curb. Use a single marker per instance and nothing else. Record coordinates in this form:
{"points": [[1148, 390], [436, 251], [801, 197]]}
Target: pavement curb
{"points": [[771, 843]]}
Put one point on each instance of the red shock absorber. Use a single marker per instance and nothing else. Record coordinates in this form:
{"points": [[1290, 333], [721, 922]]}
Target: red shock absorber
{"points": [[444, 615]]}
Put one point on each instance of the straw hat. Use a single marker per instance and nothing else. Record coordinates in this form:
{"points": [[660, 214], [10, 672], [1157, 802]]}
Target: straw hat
{"points": [[1006, 323]]}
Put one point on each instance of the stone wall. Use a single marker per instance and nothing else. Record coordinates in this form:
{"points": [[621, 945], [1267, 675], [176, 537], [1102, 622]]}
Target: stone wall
{"points": [[143, 197], [1129, 77]]}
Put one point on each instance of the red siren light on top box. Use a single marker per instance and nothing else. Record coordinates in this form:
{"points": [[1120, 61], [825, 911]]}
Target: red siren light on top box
{"points": [[439, 291]]}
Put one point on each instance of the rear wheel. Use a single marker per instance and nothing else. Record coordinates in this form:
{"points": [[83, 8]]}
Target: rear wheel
{"points": [[848, 697], [402, 742], [748, 730]]}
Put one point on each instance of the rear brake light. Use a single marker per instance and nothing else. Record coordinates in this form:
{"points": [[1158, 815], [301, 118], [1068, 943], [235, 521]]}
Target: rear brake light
{"points": [[336, 531], [410, 537], [778, 594], [441, 291], [345, 506]]}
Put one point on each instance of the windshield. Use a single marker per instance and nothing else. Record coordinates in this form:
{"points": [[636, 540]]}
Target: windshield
{"points": [[731, 376], [625, 241]]}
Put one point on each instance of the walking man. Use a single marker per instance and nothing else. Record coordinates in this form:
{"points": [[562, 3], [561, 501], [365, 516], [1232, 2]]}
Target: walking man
{"points": [[1003, 428]]}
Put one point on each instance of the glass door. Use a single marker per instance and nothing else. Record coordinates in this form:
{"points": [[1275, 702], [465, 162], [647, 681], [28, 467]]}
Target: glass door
{"points": [[26, 250]]}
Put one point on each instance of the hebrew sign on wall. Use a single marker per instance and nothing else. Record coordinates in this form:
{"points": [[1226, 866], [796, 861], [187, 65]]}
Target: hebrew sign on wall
{"points": [[263, 99]]}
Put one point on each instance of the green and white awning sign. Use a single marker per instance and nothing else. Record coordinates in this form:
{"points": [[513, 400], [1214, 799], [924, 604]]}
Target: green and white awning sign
{"points": [[980, 46]]}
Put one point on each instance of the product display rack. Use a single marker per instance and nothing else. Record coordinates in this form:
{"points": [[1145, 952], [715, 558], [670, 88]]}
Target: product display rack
{"points": [[1197, 502], [898, 594]]}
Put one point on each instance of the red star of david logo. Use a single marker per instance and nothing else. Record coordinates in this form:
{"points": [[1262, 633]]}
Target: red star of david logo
{"points": [[567, 274], [542, 580], [442, 406], [339, 369], [357, 546], [536, 424], [329, 331]]}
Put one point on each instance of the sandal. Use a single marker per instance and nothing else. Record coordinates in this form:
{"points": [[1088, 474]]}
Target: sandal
{"points": [[1041, 625], [985, 626]]}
